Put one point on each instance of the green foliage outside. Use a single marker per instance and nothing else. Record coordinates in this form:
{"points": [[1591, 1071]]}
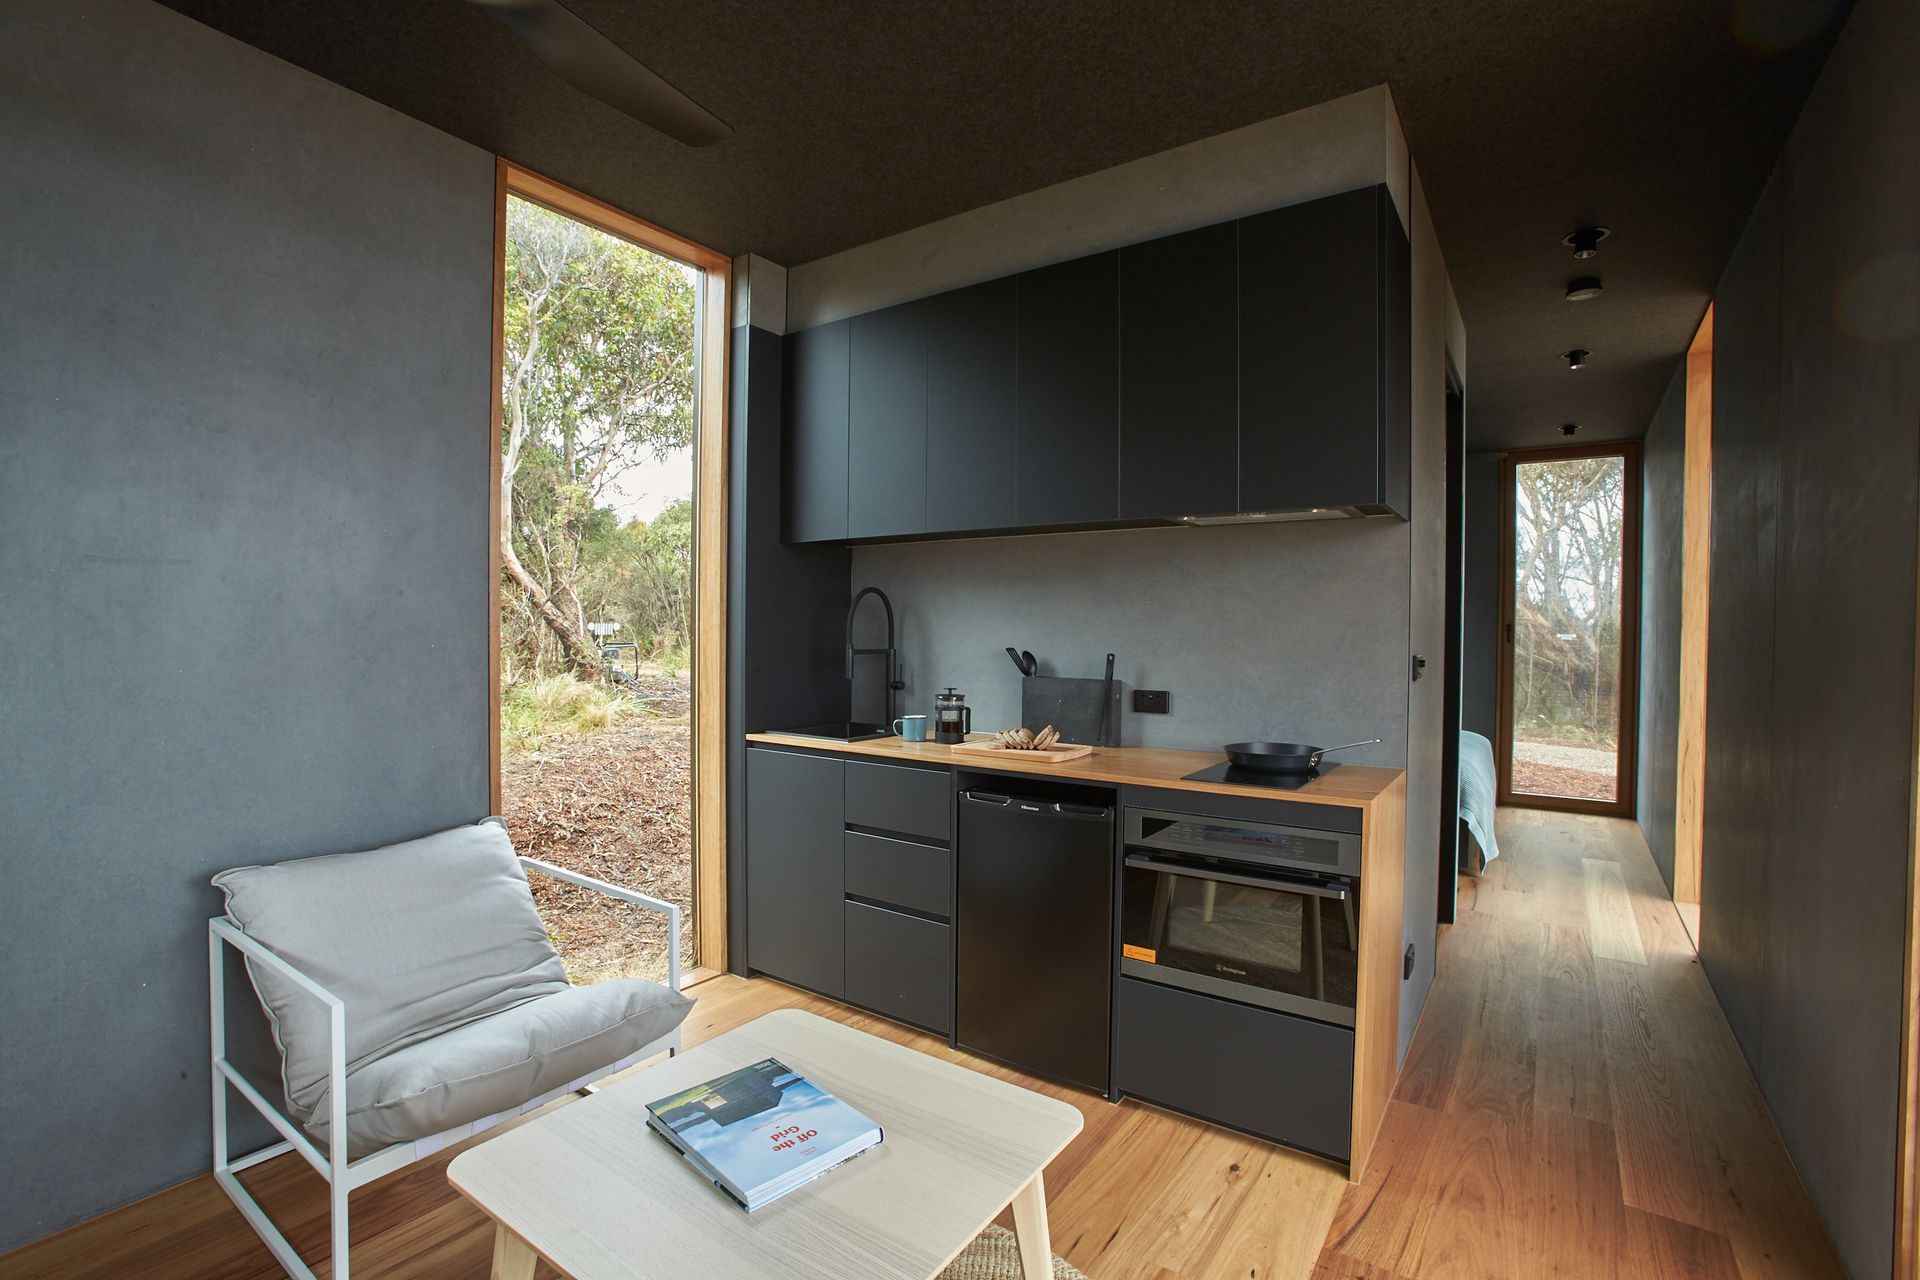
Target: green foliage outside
{"points": [[537, 709], [1568, 518], [598, 376]]}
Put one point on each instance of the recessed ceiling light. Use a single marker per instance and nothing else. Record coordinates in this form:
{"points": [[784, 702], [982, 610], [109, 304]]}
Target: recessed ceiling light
{"points": [[1576, 358], [1582, 289], [1586, 241]]}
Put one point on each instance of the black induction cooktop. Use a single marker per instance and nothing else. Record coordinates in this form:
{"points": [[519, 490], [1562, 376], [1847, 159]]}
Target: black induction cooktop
{"points": [[840, 731], [1229, 772]]}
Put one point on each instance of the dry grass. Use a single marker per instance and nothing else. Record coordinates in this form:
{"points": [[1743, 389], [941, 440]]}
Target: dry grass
{"points": [[533, 712], [1533, 778], [613, 803]]}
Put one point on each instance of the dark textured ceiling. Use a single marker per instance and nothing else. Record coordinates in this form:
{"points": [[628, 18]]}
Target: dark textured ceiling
{"points": [[1657, 118]]}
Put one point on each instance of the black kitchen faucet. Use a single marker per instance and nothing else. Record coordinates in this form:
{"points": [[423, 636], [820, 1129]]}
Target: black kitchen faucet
{"points": [[892, 654]]}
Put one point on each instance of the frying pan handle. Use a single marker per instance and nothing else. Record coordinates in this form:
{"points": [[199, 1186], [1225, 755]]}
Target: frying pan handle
{"points": [[1315, 759]]}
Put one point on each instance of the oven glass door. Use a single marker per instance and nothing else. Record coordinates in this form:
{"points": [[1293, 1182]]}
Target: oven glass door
{"points": [[1283, 942]]}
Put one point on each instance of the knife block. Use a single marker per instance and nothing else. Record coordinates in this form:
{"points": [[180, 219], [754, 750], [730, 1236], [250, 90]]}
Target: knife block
{"points": [[1072, 706]]}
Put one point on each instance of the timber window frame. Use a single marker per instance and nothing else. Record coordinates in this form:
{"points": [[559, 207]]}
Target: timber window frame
{"points": [[708, 695], [1626, 757]]}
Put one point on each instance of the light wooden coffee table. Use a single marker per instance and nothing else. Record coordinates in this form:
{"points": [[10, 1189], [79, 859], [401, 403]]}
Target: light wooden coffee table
{"points": [[590, 1189]]}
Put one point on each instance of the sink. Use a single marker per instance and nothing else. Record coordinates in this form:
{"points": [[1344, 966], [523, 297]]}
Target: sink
{"points": [[841, 731]]}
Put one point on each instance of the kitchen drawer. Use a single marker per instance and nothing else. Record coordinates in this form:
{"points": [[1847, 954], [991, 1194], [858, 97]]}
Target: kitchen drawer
{"points": [[901, 800], [900, 873], [898, 965], [1281, 1077]]}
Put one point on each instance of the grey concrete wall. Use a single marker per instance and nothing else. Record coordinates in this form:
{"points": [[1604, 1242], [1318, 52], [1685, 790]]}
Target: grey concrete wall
{"points": [[1437, 333], [1810, 654], [1284, 630], [1480, 646], [243, 502], [1663, 462]]}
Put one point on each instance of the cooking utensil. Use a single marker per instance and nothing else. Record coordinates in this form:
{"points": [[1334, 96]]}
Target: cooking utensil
{"points": [[1032, 663], [1014, 654], [1284, 757]]}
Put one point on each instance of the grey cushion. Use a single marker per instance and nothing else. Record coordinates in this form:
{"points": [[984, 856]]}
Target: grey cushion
{"points": [[500, 1062], [416, 939]]}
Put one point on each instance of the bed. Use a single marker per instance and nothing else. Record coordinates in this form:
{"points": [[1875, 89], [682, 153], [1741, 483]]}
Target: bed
{"points": [[1477, 794]]}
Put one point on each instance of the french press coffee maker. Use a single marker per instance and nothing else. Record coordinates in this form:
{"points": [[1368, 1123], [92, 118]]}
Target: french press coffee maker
{"points": [[952, 717]]}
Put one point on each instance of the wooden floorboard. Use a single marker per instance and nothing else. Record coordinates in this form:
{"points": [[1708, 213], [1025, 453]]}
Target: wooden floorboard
{"points": [[1573, 1105]]}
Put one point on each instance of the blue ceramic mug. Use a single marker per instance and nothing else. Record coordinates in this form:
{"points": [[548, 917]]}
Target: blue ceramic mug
{"points": [[911, 728]]}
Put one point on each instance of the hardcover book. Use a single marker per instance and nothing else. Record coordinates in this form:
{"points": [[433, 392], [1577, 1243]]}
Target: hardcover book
{"points": [[759, 1132]]}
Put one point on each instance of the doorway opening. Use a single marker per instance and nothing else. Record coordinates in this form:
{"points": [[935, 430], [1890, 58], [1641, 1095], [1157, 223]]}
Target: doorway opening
{"points": [[607, 702], [1453, 659], [1696, 554], [1571, 621]]}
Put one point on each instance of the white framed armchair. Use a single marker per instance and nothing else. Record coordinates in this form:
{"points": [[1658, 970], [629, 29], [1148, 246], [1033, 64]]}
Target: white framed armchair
{"points": [[415, 1000]]}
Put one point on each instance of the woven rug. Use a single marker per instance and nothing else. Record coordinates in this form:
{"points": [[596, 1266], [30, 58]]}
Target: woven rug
{"points": [[993, 1255]]}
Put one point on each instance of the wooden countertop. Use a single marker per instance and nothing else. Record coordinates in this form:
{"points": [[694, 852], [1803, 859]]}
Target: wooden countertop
{"points": [[1356, 786]]}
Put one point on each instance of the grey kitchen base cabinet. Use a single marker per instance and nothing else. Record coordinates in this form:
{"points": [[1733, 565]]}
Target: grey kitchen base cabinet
{"points": [[899, 965], [1271, 1074], [796, 868], [849, 912]]}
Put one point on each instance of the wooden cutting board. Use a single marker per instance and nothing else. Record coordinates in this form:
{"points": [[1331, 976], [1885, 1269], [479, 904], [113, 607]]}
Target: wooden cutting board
{"points": [[1052, 755]]}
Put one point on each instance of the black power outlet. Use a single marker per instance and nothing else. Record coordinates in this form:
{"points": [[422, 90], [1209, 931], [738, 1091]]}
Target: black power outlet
{"points": [[1151, 701]]}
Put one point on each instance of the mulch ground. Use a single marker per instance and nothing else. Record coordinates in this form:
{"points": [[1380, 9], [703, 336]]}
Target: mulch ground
{"points": [[1554, 780], [615, 805]]}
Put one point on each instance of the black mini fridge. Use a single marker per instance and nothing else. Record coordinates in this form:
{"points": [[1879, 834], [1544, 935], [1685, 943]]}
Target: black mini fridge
{"points": [[1034, 920]]}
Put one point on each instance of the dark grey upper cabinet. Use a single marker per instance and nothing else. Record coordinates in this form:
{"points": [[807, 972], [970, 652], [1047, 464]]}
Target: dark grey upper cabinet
{"points": [[817, 364], [1396, 390], [1068, 395], [1179, 400], [1324, 377], [796, 868], [971, 442], [887, 424], [1254, 366]]}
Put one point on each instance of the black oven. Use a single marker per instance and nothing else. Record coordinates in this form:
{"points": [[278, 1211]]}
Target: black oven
{"points": [[1250, 911]]}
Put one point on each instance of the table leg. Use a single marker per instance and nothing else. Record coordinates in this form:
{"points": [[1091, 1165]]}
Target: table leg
{"points": [[513, 1258], [1030, 1230]]}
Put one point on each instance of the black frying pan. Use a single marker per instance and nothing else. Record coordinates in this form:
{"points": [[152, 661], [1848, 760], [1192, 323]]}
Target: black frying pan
{"points": [[1283, 757]]}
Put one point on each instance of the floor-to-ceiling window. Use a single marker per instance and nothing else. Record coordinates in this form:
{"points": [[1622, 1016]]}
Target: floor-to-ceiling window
{"points": [[609, 515], [1571, 606]]}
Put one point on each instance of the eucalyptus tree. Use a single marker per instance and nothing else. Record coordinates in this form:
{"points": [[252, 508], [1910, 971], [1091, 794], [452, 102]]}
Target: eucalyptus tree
{"points": [[1568, 518], [598, 372]]}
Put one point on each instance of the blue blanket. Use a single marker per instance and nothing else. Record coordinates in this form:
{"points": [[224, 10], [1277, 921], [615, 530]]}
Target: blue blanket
{"points": [[1477, 790]]}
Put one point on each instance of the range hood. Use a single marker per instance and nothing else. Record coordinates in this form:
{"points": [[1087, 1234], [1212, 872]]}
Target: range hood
{"points": [[1275, 517]]}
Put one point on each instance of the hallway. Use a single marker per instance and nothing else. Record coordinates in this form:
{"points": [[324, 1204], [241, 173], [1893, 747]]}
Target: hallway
{"points": [[1573, 1105]]}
